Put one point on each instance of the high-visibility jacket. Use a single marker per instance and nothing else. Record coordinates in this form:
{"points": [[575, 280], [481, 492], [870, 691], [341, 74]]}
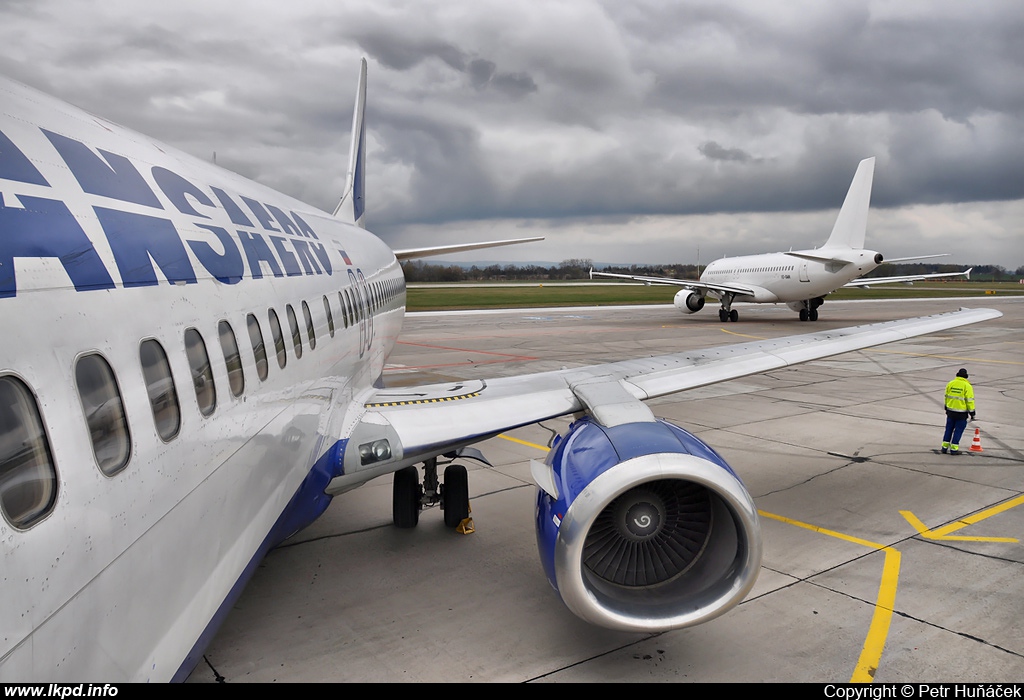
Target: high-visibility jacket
{"points": [[959, 396]]}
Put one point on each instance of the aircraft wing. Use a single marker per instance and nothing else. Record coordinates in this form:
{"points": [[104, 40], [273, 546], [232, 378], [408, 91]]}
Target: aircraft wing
{"points": [[869, 281], [695, 285], [420, 422], [411, 253], [818, 256]]}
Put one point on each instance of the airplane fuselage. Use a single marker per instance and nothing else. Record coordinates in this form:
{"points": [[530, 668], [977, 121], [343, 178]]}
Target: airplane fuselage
{"points": [[780, 277], [109, 257]]}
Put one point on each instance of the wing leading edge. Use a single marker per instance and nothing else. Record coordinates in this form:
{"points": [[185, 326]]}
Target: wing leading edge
{"points": [[420, 422]]}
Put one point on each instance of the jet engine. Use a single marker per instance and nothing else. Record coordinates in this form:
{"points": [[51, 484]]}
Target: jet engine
{"points": [[688, 302], [642, 527]]}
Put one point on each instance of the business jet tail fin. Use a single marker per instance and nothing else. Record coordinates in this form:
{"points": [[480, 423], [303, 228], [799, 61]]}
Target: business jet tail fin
{"points": [[852, 222], [351, 206]]}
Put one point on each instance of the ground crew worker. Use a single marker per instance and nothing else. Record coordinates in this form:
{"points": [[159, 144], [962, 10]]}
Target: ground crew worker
{"points": [[959, 405]]}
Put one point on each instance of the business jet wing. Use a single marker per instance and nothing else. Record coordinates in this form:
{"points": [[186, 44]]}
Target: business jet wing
{"points": [[412, 253], [420, 422], [870, 281], [694, 285]]}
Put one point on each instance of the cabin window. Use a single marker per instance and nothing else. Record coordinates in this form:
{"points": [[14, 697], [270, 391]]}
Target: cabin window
{"points": [[293, 325], [104, 413], [163, 397], [202, 373], [348, 305], [310, 331], [228, 344], [275, 329], [28, 477], [330, 318], [259, 351], [344, 310]]}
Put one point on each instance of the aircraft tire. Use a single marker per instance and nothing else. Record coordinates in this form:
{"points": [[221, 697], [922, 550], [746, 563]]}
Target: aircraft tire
{"points": [[455, 495], [405, 498], [723, 315], [734, 315], [813, 314], [803, 314]]}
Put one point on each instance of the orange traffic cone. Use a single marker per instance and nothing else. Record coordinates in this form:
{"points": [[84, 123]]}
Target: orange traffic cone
{"points": [[976, 444]]}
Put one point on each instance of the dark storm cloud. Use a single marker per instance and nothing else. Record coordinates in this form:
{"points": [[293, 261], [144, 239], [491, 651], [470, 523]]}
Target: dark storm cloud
{"points": [[715, 151], [483, 73], [403, 53]]}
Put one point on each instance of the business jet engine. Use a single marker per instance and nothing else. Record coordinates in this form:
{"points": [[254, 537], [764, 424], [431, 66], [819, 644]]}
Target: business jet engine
{"points": [[642, 527], [688, 302]]}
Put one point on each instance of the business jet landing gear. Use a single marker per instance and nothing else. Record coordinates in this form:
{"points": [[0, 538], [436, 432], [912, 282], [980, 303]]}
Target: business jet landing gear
{"points": [[409, 497]]}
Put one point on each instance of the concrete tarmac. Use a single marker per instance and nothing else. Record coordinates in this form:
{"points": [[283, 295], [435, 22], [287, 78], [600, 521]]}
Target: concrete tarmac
{"points": [[883, 559]]}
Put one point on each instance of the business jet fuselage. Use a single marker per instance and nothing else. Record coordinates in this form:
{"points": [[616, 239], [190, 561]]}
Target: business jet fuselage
{"points": [[191, 366]]}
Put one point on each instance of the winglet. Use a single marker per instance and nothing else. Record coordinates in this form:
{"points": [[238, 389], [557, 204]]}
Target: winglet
{"points": [[352, 204], [967, 275], [852, 222]]}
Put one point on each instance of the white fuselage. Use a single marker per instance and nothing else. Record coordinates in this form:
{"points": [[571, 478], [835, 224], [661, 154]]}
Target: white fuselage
{"points": [[108, 240], [780, 277]]}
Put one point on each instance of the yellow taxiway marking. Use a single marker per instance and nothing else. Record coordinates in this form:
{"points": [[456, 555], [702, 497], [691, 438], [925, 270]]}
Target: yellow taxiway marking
{"points": [[523, 442], [943, 533], [744, 335], [885, 603]]}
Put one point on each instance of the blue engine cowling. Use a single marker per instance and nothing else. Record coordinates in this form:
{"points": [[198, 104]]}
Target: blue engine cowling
{"points": [[643, 527]]}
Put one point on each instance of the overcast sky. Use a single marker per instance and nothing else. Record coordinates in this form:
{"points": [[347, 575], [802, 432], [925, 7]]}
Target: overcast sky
{"points": [[628, 132]]}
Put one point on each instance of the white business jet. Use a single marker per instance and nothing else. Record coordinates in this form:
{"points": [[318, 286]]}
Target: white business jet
{"points": [[798, 278], [190, 368]]}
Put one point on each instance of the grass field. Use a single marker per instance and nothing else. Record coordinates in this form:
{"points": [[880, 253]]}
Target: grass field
{"points": [[436, 298]]}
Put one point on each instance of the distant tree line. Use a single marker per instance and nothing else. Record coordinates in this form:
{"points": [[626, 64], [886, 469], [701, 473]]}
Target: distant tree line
{"points": [[579, 268]]}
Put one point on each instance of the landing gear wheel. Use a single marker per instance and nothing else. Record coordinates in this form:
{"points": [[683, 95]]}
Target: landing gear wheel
{"points": [[455, 495], [734, 315], [405, 498], [723, 315], [813, 314], [803, 314]]}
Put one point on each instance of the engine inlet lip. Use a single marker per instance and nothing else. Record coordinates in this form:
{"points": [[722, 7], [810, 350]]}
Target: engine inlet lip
{"points": [[568, 555]]}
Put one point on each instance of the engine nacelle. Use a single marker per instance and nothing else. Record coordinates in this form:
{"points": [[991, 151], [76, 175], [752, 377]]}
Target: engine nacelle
{"points": [[648, 529], [688, 302]]}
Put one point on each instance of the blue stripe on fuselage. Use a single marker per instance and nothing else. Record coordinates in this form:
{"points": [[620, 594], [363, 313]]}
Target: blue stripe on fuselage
{"points": [[308, 504]]}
